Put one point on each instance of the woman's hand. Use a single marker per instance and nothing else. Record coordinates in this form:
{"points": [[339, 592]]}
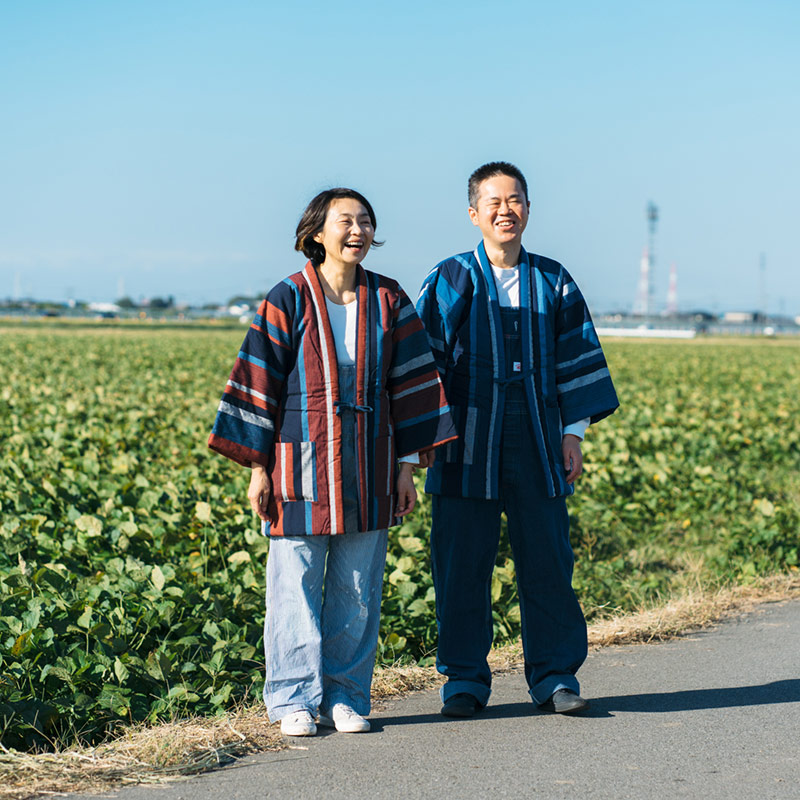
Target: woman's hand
{"points": [[406, 493], [259, 490]]}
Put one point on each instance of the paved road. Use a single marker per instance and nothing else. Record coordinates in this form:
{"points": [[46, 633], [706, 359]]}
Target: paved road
{"points": [[713, 715]]}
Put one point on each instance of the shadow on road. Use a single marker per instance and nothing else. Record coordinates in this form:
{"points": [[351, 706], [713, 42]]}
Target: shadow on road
{"points": [[504, 710], [787, 691]]}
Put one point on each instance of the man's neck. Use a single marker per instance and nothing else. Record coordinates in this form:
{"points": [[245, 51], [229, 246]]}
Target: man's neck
{"points": [[503, 256]]}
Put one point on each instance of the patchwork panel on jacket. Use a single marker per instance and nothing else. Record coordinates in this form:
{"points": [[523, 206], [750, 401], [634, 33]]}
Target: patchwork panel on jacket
{"points": [[295, 473]]}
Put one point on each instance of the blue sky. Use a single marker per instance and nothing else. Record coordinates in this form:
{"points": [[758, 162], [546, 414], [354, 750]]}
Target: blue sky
{"points": [[170, 147]]}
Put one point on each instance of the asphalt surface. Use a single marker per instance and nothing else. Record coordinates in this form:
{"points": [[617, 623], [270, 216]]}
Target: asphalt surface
{"points": [[712, 715]]}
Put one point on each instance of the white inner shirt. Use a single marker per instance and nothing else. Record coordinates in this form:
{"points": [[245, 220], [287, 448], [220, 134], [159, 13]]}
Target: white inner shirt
{"points": [[344, 320], [507, 283], [343, 323]]}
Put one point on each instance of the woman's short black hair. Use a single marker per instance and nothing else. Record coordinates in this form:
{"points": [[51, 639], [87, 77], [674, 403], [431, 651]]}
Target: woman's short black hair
{"points": [[490, 170], [313, 220]]}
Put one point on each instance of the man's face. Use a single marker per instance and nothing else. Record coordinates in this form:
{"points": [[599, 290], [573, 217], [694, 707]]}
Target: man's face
{"points": [[502, 211]]}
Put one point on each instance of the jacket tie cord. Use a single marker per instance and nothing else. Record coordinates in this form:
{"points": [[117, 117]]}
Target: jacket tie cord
{"points": [[341, 405], [517, 376]]}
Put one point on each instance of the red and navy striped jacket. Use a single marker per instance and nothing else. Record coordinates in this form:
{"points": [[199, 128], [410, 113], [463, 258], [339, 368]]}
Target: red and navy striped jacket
{"points": [[279, 406]]}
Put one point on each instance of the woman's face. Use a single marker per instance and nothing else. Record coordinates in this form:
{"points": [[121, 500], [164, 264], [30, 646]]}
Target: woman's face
{"points": [[347, 233]]}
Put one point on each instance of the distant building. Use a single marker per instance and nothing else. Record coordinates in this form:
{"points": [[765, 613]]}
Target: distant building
{"points": [[740, 317]]}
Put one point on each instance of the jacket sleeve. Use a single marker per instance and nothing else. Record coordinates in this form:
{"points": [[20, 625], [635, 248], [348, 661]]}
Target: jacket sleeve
{"points": [[441, 304], [583, 381], [419, 409], [244, 428]]}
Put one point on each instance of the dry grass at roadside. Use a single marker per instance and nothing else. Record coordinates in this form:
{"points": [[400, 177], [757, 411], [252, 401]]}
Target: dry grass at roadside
{"points": [[140, 755], [153, 754]]}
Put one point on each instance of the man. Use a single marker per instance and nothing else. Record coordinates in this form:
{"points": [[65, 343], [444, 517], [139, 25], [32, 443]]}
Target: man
{"points": [[524, 375]]}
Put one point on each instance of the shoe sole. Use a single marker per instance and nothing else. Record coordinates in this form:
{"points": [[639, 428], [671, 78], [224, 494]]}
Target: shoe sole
{"points": [[327, 722], [304, 732], [577, 709], [458, 712]]}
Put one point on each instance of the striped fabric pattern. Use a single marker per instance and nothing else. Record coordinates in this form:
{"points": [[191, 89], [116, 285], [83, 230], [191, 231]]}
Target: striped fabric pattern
{"points": [[279, 407], [565, 372]]}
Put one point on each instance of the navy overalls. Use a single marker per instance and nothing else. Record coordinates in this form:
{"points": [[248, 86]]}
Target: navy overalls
{"points": [[464, 541]]}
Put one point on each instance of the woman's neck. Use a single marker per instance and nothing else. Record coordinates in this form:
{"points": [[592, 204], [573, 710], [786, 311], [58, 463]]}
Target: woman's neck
{"points": [[338, 281]]}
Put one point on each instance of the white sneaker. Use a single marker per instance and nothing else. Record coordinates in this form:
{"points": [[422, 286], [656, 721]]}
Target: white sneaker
{"points": [[298, 723], [344, 719]]}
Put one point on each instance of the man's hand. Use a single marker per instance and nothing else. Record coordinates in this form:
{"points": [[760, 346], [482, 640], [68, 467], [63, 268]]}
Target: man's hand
{"points": [[573, 458], [426, 459], [406, 493], [259, 490]]}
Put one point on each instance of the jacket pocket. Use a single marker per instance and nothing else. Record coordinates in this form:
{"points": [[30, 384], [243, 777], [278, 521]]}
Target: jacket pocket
{"points": [[295, 474]]}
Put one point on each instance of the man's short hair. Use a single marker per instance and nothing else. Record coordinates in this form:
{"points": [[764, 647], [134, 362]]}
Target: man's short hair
{"points": [[489, 171]]}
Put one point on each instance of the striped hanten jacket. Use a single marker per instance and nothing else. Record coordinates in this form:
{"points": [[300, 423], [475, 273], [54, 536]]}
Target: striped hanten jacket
{"points": [[280, 405], [563, 370]]}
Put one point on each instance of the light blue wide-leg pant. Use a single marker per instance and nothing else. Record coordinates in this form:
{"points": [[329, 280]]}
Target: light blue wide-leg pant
{"points": [[322, 621]]}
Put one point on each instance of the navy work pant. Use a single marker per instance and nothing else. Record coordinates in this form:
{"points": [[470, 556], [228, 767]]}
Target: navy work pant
{"points": [[464, 541]]}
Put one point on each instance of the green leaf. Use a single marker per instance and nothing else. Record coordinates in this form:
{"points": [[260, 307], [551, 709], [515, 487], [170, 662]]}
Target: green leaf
{"points": [[766, 507], [157, 577], [120, 670], [203, 512], [418, 608], [411, 544], [91, 525], [85, 619], [19, 644]]}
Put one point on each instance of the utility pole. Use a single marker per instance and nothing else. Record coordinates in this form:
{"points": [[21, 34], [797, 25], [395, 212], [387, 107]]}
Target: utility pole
{"points": [[672, 293], [643, 292], [652, 222]]}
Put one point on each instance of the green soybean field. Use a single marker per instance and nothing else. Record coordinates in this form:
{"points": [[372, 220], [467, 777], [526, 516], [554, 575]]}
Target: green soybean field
{"points": [[132, 570]]}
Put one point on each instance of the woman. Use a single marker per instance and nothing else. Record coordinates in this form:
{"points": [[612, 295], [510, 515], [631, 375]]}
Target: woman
{"points": [[334, 381]]}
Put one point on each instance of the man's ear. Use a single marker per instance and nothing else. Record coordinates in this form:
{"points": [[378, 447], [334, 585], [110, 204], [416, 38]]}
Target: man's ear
{"points": [[473, 215]]}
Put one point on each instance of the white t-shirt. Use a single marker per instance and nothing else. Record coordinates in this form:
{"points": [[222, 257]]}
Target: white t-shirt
{"points": [[507, 283], [344, 320], [343, 323]]}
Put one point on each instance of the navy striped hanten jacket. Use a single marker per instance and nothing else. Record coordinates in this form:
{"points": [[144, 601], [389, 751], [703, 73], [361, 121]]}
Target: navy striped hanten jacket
{"points": [[564, 370]]}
